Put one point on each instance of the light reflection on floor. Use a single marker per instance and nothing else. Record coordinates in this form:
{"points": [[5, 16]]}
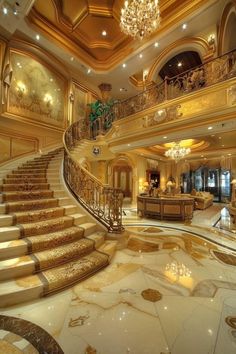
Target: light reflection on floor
{"points": [[171, 289]]}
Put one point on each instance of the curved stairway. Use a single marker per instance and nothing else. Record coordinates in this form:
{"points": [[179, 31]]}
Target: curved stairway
{"points": [[45, 243]]}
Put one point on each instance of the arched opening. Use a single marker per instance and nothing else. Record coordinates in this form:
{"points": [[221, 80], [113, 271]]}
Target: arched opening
{"points": [[180, 63], [122, 178], [230, 38]]}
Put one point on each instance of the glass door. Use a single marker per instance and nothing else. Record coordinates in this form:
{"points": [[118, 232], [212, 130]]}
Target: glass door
{"points": [[225, 186]]}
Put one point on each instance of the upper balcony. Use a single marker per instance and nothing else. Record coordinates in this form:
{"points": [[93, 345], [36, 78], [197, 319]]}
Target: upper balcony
{"points": [[197, 98]]}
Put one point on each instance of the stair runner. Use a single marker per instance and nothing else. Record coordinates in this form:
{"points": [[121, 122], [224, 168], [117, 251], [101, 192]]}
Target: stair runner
{"points": [[45, 245]]}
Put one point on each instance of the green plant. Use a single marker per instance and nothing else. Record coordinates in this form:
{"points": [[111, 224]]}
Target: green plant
{"points": [[101, 109]]}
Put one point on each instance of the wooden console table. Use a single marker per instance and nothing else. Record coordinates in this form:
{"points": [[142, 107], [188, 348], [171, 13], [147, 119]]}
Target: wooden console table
{"points": [[166, 208]]}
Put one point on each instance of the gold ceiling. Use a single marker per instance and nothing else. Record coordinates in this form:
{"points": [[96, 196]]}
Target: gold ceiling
{"points": [[217, 144], [77, 25]]}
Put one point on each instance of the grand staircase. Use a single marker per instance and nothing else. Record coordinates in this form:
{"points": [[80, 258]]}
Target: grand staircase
{"points": [[46, 243]]}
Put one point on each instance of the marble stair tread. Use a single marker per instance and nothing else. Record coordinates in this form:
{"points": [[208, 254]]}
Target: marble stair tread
{"points": [[33, 204], [109, 247], [9, 233], [98, 238], [89, 228], [12, 249], [21, 247], [39, 214], [29, 264], [10, 187], [29, 180], [6, 220], [20, 290], [16, 196], [72, 272], [16, 267], [44, 227]]}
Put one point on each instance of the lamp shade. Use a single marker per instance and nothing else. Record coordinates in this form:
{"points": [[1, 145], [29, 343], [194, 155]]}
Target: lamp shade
{"points": [[233, 181], [169, 184]]}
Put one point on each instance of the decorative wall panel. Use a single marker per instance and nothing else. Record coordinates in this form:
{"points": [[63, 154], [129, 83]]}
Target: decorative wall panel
{"points": [[36, 92], [11, 147]]}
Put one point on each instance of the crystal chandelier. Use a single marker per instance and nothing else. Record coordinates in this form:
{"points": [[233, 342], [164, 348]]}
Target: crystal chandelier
{"points": [[139, 18], [177, 152]]}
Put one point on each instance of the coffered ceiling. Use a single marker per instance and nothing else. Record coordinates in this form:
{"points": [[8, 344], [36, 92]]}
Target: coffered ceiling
{"points": [[79, 26]]}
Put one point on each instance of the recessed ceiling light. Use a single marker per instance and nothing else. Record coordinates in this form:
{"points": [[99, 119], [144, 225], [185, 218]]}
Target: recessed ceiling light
{"points": [[156, 44], [209, 128], [128, 144], [229, 154], [37, 37], [140, 55], [104, 33], [164, 137], [213, 135], [88, 71], [202, 155], [219, 137], [72, 58], [222, 145], [121, 89], [184, 26], [124, 65], [180, 64], [5, 10]]}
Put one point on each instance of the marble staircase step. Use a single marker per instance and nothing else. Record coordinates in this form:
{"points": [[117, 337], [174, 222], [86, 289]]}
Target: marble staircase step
{"points": [[24, 246], [34, 204], [49, 258], [109, 247], [24, 187], [10, 233], [24, 289], [35, 215], [32, 287]]}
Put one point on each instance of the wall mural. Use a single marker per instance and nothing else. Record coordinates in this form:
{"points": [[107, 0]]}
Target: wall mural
{"points": [[36, 92]]}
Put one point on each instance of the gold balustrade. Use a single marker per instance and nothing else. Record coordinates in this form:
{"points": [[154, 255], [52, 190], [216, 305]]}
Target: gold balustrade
{"points": [[205, 75], [102, 201]]}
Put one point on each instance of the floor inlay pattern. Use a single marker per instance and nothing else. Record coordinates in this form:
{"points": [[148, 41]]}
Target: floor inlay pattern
{"points": [[39, 341], [169, 293], [151, 295]]}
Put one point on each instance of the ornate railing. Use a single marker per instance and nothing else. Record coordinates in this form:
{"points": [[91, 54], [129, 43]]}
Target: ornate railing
{"points": [[205, 75], [102, 201]]}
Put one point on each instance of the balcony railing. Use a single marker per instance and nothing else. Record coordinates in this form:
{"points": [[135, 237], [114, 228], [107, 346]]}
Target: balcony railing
{"points": [[205, 75], [103, 202]]}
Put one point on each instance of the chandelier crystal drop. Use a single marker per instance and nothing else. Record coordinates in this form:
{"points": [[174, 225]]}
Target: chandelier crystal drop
{"points": [[139, 18], [177, 152]]}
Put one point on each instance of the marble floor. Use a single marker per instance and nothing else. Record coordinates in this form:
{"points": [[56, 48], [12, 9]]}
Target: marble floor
{"points": [[170, 289]]}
